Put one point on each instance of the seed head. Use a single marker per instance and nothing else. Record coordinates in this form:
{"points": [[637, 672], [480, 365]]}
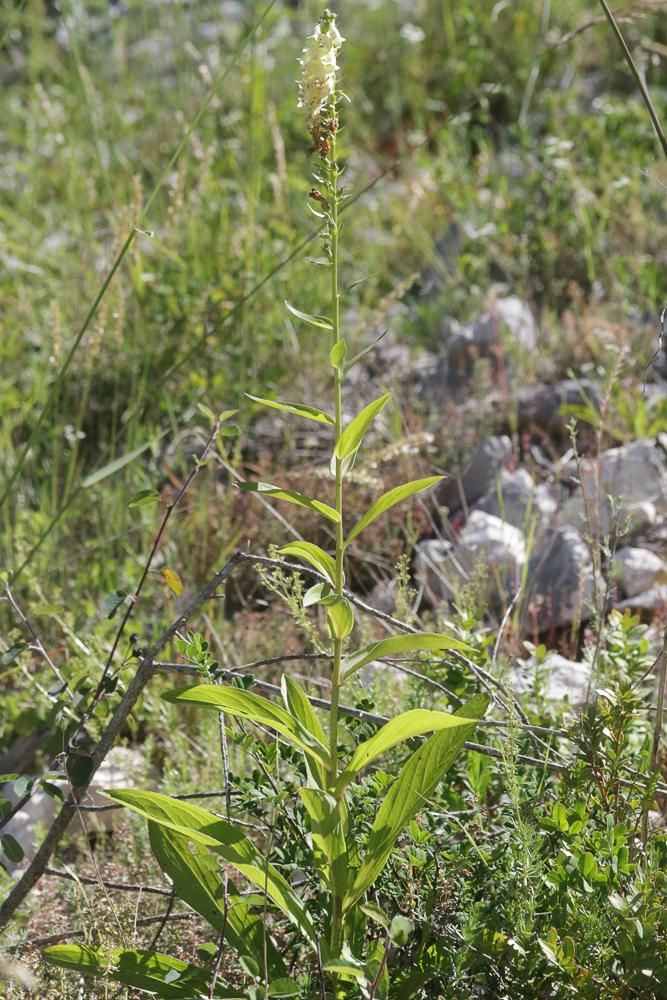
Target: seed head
{"points": [[317, 85]]}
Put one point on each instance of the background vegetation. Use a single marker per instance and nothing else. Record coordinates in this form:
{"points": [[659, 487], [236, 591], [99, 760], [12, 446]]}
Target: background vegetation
{"points": [[494, 147]]}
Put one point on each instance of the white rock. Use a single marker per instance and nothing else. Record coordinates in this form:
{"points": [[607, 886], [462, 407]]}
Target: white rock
{"points": [[120, 768], [559, 679], [443, 569], [638, 569], [502, 544]]}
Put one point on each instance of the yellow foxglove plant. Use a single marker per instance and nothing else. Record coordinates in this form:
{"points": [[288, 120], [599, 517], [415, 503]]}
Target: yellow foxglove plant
{"points": [[192, 844]]}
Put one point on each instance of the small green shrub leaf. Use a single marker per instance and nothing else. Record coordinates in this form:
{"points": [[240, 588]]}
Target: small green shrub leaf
{"points": [[403, 727], [291, 496], [246, 705], [298, 409], [319, 321], [415, 784], [399, 644], [310, 553], [12, 848], [390, 499], [221, 838], [400, 930], [353, 435]]}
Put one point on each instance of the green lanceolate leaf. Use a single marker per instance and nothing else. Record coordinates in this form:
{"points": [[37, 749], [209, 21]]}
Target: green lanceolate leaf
{"points": [[404, 727], [118, 463], [291, 496], [362, 354], [327, 824], [340, 617], [297, 703], [310, 553], [221, 838], [146, 971], [353, 435], [399, 644], [298, 409], [196, 881], [246, 705], [414, 786], [319, 321], [390, 499]]}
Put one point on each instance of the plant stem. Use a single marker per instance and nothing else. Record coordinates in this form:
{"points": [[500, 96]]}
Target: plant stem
{"points": [[337, 914]]}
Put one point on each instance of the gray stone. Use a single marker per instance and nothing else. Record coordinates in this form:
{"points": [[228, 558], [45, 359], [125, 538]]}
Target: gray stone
{"points": [[557, 679], [634, 475], [479, 475], [561, 581], [638, 569], [483, 338], [515, 497], [654, 599], [540, 408]]}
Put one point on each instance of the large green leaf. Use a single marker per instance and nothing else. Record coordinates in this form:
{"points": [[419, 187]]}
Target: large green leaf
{"points": [[291, 496], [298, 409], [328, 830], [313, 555], [353, 435], [146, 971], [221, 838], [414, 786], [245, 705], [399, 644], [196, 881], [297, 703], [403, 727], [390, 499]]}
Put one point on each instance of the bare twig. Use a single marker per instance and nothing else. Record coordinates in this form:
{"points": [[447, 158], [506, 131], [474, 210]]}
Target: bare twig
{"points": [[163, 923], [144, 672], [657, 729], [161, 918], [37, 643], [118, 886], [221, 944]]}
